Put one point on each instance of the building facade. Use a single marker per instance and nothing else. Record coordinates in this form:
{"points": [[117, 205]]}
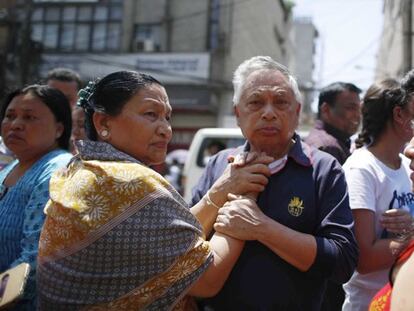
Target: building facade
{"points": [[395, 56], [303, 64], [192, 47]]}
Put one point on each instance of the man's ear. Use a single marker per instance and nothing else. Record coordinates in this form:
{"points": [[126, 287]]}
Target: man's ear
{"points": [[325, 111], [298, 109], [236, 113]]}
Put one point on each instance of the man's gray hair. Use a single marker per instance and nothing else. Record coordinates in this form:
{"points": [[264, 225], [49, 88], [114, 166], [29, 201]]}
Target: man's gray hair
{"points": [[259, 63]]}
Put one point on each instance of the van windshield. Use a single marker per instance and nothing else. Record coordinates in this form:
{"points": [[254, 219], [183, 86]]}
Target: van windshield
{"points": [[211, 146]]}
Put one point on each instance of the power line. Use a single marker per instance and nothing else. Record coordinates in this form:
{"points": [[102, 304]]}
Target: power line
{"points": [[364, 50]]}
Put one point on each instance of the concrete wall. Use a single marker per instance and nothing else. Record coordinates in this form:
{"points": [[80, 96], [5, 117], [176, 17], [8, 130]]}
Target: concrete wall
{"points": [[250, 28], [304, 33], [257, 27], [393, 55], [189, 25], [142, 12], [302, 64], [391, 46]]}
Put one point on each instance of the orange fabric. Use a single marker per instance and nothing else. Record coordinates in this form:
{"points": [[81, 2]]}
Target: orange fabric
{"points": [[382, 300], [406, 253]]}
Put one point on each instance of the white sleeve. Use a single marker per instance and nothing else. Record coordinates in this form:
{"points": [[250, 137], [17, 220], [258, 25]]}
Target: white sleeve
{"points": [[361, 188]]}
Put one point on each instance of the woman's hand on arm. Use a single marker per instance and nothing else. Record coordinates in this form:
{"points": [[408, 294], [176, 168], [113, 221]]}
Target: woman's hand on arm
{"points": [[398, 221], [247, 174], [375, 254]]}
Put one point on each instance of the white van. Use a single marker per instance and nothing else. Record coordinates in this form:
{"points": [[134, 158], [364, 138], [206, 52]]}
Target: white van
{"points": [[198, 155]]}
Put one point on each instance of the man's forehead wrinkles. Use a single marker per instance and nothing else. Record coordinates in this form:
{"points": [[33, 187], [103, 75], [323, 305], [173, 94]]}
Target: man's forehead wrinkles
{"points": [[259, 90], [276, 89]]}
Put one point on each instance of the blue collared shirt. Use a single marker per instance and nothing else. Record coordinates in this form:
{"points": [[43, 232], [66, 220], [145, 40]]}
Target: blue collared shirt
{"points": [[308, 195]]}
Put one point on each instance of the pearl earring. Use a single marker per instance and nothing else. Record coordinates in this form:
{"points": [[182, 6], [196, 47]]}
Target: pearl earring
{"points": [[104, 133]]}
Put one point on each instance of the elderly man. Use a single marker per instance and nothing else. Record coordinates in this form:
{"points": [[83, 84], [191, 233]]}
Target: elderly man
{"points": [[339, 116], [300, 232]]}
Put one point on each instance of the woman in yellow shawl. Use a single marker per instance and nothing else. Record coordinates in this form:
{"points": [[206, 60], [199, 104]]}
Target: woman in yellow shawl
{"points": [[117, 235]]}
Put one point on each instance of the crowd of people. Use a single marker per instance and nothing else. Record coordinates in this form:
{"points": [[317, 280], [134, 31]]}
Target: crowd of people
{"points": [[279, 223]]}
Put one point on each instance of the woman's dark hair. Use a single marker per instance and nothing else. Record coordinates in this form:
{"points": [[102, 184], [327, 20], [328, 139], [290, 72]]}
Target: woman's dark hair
{"points": [[54, 99], [377, 109], [110, 94]]}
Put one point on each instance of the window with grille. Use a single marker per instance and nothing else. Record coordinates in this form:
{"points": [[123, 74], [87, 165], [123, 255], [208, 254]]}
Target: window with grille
{"points": [[77, 26]]}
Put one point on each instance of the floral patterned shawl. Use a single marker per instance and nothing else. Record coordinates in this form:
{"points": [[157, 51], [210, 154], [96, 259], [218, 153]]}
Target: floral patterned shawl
{"points": [[117, 237]]}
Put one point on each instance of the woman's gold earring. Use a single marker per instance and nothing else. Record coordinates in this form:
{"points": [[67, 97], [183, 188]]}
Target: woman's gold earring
{"points": [[104, 133]]}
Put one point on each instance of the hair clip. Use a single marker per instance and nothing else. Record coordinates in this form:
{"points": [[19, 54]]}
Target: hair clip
{"points": [[84, 96]]}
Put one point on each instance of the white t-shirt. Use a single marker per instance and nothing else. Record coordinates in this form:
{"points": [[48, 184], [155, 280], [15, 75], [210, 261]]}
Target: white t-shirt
{"points": [[374, 186]]}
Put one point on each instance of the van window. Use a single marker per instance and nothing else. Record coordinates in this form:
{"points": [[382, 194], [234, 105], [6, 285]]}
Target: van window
{"points": [[211, 146]]}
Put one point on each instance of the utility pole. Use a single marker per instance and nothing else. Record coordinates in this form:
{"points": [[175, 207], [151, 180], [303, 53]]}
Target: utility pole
{"points": [[408, 35], [6, 46], [4, 24], [168, 24]]}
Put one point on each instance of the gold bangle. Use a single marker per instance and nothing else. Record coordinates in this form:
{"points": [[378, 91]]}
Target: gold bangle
{"points": [[209, 201]]}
